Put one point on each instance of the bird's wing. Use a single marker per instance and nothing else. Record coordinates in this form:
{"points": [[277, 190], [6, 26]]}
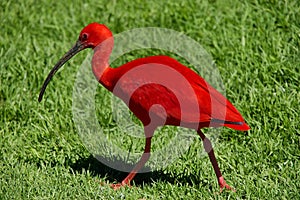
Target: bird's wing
{"points": [[184, 95]]}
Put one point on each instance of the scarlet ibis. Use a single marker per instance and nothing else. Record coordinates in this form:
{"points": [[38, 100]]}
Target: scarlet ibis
{"points": [[155, 90]]}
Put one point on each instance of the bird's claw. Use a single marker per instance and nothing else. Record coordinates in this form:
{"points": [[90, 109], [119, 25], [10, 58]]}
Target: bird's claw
{"points": [[228, 187], [223, 185], [119, 185]]}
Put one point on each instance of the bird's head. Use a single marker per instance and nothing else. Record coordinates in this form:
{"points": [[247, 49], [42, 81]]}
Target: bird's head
{"points": [[91, 36]]}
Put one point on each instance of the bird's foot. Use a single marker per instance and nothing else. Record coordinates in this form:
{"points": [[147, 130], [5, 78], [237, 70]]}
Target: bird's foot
{"points": [[223, 185], [119, 185]]}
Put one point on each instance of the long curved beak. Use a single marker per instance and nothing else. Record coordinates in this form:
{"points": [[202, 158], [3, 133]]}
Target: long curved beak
{"points": [[72, 52]]}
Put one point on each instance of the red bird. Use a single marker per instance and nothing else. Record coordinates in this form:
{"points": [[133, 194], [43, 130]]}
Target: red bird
{"points": [[159, 91]]}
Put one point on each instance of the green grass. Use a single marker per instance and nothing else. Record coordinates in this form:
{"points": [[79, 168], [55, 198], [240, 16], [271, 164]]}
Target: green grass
{"points": [[256, 47]]}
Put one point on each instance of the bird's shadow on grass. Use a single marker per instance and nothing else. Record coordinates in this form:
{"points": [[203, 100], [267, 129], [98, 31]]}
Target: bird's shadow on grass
{"points": [[115, 176]]}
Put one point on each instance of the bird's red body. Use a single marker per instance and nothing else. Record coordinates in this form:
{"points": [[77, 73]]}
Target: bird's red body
{"points": [[159, 91], [153, 70]]}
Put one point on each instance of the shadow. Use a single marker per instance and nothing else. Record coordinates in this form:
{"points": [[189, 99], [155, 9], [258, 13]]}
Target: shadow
{"points": [[115, 176]]}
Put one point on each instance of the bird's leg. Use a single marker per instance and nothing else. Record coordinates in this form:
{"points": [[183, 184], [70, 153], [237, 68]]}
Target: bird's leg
{"points": [[209, 149], [145, 157]]}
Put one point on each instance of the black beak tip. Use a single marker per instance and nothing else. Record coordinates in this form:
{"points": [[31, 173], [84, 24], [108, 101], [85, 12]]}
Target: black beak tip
{"points": [[40, 98]]}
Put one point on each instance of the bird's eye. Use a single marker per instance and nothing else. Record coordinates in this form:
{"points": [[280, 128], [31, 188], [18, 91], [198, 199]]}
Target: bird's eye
{"points": [[84, 37]]}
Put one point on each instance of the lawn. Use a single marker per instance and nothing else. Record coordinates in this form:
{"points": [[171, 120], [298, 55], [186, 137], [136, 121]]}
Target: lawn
{"points": [[256, 48]]}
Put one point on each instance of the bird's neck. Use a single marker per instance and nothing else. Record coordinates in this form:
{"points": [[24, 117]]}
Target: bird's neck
{"points": [[100, 62]]}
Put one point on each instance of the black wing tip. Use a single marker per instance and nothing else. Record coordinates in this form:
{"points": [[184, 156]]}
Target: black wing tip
{"points": [[226, 122]]}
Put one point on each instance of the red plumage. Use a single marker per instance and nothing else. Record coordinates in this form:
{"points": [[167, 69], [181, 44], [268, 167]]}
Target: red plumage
{"points": [[159, 91], [155, 80]]}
